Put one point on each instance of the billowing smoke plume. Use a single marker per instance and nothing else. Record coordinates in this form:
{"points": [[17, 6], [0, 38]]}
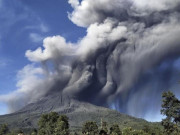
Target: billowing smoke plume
{"points": [[128, 57]]}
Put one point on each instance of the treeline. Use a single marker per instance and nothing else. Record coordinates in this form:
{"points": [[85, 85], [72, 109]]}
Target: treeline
{"points": [[55, 124]]}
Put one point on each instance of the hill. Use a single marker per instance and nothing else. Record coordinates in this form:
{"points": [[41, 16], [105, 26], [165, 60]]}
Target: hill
{"points": [[77, 111]]}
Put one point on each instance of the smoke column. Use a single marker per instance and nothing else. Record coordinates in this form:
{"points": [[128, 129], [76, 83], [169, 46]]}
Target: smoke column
{"points": [[129, 55]]}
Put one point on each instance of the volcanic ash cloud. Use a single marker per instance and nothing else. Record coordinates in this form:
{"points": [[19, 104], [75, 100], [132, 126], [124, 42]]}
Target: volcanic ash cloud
{"points": [[126, 41]]}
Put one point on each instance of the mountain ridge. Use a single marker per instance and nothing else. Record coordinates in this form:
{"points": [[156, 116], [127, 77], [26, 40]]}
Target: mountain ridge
{"points": [[77, 111]]}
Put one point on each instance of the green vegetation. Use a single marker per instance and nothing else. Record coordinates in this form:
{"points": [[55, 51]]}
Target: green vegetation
{"points": [[55, 124], [104, 128], [90, 128], [62, 127], [34, 132], [171, 109], [115, 130], [4, 129]]}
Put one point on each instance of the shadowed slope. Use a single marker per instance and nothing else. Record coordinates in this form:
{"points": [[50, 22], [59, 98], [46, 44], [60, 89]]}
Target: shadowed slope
{"points": [[78, 112]]}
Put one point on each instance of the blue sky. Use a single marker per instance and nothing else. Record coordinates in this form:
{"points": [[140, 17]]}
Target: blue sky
{"points": [[23, 25]]}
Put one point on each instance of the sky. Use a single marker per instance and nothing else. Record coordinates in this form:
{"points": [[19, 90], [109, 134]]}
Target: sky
{"points": [[23, 25], [114, 53]]}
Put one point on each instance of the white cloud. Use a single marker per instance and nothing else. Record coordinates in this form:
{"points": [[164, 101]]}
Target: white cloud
{"points": [[55, 47], [98, 34], [36, 37], [4, 62], [44, 28], [40, 27], [31, 84], [88, 12], [74, 3], [155, 5]]}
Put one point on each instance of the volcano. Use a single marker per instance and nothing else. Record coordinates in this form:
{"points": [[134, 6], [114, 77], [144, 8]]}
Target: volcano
{"points": [[77, 111], [128, 56]]}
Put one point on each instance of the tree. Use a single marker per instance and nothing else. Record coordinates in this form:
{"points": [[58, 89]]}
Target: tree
{"points": [[139, 132], [171, 109], [4, 129], [65, 119], [47, 123], [130, 131], [127, 131], [11, 133], [62, 127], [90, 128], [75, 133], [104, 129], [102, 132], [20, 131], [104, 126], [53, 124], [115, 130], [146, 129], [43, 131], [34, 132]]}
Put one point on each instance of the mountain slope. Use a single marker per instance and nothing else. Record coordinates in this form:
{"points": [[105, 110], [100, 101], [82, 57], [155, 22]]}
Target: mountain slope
{"points": [[78, 112]]}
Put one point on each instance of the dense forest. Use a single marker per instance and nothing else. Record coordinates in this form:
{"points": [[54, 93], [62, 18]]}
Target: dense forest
{"points": [[55, 124]]}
